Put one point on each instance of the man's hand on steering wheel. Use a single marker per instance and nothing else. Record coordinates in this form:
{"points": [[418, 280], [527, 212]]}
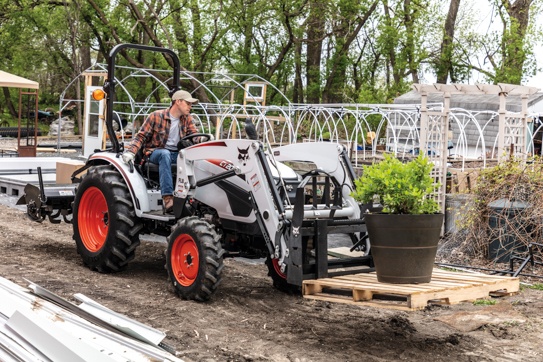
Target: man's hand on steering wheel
{"points": [[193, 138], [184, 143]]}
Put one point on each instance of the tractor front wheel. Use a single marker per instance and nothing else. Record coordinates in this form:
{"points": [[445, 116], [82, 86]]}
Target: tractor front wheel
{"points": [[194, 259], [280, 279]]}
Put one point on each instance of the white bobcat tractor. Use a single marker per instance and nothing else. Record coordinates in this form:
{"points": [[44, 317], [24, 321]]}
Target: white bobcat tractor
{"points": [[231, 198]]}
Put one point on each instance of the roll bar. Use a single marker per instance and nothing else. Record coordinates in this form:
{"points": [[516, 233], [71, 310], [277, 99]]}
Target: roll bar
{"points": [[109, 85]]}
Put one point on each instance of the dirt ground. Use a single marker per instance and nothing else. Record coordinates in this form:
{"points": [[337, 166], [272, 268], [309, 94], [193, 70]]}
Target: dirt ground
{"points": [[247, 320]]}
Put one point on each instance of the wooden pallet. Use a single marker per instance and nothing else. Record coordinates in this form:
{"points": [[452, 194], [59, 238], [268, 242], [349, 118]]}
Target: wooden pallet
{"points": [[446, 287]]}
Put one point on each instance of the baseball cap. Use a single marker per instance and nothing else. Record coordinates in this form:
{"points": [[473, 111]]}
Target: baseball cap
{"points": [[184, 95]]}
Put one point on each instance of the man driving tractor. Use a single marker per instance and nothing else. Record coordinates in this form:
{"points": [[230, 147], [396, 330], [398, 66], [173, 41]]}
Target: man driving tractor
{"points": [[161, 136]]}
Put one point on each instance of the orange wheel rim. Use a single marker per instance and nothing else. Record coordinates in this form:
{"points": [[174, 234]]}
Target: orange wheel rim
{"points": [[185, 260], [275, 263], [93, 219]]}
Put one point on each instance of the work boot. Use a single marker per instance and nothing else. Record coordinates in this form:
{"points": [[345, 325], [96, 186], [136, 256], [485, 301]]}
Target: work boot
{"points": [[167, 203]]}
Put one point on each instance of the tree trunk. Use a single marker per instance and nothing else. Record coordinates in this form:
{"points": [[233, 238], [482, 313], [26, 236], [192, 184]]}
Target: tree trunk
{"points": [[248, 36], [513, 40], [410, 41], [315, 32], [11, 108], [336, 79], [298, 91], [391, 66], [444, 63]]}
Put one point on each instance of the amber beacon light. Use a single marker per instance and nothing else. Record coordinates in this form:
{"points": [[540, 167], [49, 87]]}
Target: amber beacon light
{"points": [[98, 94]]}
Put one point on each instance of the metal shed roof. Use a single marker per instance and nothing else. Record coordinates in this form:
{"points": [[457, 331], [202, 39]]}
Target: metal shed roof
{"points": [[473, 102]]}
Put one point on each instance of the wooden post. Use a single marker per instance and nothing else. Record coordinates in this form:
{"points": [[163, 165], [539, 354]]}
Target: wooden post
{"points": [[524, 113], [31, 144], [423, 132], [501, 127]]}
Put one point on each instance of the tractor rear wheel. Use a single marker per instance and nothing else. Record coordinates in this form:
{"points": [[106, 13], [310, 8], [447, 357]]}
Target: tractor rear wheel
{"points": [[194, 259], [106, 229]]}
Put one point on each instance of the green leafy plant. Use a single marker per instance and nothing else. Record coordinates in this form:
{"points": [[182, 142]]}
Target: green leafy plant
{"points": [[402, 188]]}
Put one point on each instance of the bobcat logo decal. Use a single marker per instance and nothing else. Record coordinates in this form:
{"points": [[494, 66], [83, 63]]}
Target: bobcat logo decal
{"points": [[243, 155]]}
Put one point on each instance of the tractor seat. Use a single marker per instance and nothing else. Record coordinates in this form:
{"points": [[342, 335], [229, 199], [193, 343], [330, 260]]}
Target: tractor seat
{"points": [[150, 169]]}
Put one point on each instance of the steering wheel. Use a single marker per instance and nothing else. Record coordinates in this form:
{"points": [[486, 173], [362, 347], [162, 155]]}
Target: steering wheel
{"points": [[191, 136]]}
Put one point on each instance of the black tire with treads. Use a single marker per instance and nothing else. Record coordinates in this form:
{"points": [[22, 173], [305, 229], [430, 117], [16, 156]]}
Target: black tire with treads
{"points": [[194, 259], [106, 229], [280, 279]]}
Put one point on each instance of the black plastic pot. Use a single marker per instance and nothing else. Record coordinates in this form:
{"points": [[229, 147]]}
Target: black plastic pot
{"points": [[404, 246]]}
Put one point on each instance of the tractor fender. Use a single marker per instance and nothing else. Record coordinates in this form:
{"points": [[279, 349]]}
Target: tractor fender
{"points": [[133, 180]]}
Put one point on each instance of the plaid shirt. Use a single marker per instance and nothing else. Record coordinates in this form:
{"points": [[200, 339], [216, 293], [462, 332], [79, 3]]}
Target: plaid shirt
{"points": [[154, 131]]}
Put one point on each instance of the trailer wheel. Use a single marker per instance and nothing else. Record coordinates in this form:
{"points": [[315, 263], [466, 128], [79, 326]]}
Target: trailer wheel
{"points": [[280, 279], [194, 259], [106, 229]]}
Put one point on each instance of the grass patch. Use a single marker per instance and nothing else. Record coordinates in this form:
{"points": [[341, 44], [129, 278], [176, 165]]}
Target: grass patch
{"points": [[484, 302], [536, 286]]}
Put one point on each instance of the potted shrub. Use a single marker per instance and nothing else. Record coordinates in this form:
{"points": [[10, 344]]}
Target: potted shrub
{"points": [[404, 235]]}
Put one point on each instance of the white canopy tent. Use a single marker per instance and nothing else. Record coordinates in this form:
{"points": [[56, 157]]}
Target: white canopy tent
{"points": [[14, 81], [28, 88]]}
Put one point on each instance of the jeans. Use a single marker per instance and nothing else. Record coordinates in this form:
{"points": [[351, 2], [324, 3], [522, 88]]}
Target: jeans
{"points": [[164, 159]]}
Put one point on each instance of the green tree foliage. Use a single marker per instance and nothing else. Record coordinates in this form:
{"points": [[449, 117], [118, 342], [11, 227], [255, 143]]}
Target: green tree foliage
{"points": [[443, 65], [313, 51], [353, 17], [515, 47], [503, 51]]}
